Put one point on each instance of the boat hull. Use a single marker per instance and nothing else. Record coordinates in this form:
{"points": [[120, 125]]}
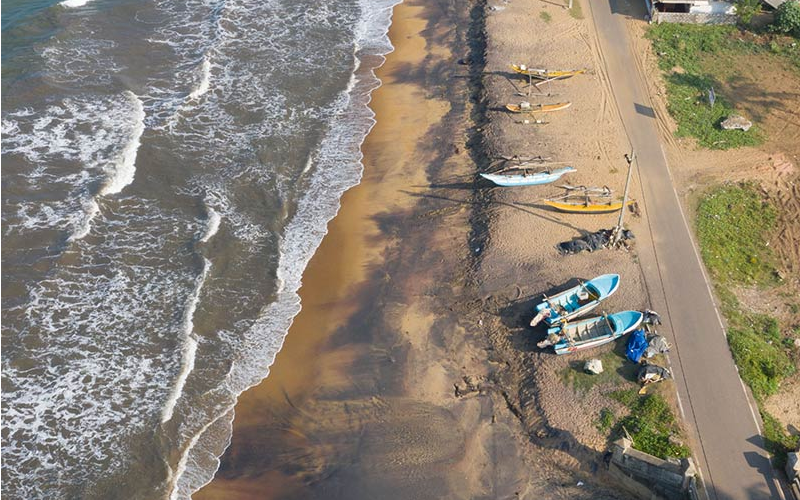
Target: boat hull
{"points": [[538, 108], [568, 305], [543, 74], [510, 180], [582, 208], [594, 332]]}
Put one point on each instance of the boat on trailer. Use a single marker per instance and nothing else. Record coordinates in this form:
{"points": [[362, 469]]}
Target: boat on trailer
{"points": [[592, 332], [576, 301]]}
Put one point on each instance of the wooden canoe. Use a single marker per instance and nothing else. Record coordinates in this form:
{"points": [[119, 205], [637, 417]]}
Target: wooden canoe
{"points": [[581, 207], [538, 108], [515, 177], [543, 74]]}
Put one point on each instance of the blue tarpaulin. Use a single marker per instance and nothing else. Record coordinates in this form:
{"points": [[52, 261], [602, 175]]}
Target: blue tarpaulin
{"points": [[636, 345]]}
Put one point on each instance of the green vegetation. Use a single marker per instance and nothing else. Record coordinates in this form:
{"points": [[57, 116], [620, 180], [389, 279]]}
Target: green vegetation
{"points": [[576, 11], [777, 440], [651, 424], [690, 55], [606, 420], [614, 365], [787, 18], [733, 226], [760, 354], [746, 9], [545, 16]]}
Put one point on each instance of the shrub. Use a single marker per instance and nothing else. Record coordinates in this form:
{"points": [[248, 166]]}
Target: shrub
{"points": [[746, 9], [787, 18]]}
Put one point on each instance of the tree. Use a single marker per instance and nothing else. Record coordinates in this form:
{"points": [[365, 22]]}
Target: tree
{"points": [[787, 18], [746, 9]]}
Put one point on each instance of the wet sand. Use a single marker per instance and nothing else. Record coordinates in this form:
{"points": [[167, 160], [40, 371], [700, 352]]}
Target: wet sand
{"points": [[409, 372]]}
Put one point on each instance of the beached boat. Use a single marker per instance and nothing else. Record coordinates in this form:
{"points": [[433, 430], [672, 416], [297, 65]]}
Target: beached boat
{"points": [[576, 301], [527, 107], [586, 206], [543, 74], [522, 177], [593, 332]]}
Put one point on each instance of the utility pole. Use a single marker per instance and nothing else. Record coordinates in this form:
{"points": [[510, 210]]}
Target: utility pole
{"points": [[618, 230]]}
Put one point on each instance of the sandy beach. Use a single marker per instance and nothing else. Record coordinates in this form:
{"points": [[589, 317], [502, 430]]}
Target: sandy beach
{"points": [[410, 372]]}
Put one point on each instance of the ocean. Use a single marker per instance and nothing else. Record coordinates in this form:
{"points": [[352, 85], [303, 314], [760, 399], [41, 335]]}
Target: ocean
{"points": [[168, 170]]}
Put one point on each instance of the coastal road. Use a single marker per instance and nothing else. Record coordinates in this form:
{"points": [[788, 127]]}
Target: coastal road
{"points": [[729, 448]]}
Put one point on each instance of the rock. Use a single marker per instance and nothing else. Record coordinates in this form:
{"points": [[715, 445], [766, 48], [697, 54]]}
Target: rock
{"points": [[797, 343], [736, 122], [594, 366]]}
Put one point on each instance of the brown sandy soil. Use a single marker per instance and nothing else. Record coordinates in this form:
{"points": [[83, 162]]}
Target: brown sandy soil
{"points": [[387, 385], [521, 261], [769, 94]]}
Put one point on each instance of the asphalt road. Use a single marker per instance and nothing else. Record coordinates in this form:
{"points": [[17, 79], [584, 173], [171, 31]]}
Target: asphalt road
{"points": [[729, 449]]}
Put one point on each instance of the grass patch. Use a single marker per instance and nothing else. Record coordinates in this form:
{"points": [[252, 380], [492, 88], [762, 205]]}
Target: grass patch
{"points": [[760, 353], [696, 58], [545, 16], [651, 424], [616, 371], [777, 440], [733, 224], [576, 11], [606, 420]]}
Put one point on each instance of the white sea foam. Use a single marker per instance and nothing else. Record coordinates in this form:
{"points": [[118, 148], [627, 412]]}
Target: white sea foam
{"points": [[73, 145], [189, 348], [74, 3], [122, 169], [336, 167], [205, 78], [212, 226]]}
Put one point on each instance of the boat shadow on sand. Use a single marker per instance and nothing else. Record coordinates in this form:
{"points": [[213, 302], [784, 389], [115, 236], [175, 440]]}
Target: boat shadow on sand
{"points": [[516, 316]]}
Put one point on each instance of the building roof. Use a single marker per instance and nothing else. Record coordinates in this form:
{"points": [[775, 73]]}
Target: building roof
{"points": [[774, 3]]}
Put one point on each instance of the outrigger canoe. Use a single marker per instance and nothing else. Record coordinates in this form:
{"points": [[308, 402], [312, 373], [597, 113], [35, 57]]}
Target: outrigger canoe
{"points": [[576, 301], [509, 178], [593, 332], [534, 108], [582, 207], [544, 74]]}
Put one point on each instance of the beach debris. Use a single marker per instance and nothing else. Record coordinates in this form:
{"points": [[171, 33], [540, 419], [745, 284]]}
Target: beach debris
{"points": [[734, 122], [593, 366], [637, 344], [580, 483], [651, 374], [658, 345], [591, 242], [469, 385]]}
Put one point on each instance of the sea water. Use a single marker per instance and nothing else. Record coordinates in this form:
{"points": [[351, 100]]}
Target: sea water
{"points": [[168, 170]]}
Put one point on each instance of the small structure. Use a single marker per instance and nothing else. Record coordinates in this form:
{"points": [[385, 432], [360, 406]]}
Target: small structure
{"points": [[647, 476], [691, 11]]}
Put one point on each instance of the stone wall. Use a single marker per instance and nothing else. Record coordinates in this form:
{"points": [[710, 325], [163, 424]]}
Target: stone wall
{"points": [[650, 477], [696, 18]]}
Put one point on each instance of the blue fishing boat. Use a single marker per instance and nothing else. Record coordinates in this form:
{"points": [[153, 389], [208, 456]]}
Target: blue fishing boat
{"points": [[524, 177], [576, 301], [591, 332]]}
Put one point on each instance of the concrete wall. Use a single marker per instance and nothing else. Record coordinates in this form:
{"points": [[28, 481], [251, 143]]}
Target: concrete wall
{"points": [[650, 477], [689, 18]]}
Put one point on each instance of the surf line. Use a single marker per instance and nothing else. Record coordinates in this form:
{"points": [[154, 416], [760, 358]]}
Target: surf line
{"points": [[120, 172]]}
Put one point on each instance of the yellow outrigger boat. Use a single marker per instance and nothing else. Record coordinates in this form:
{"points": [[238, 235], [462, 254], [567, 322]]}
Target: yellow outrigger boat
{"points": [[543, 74], [586, 206], [527, 107]]}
